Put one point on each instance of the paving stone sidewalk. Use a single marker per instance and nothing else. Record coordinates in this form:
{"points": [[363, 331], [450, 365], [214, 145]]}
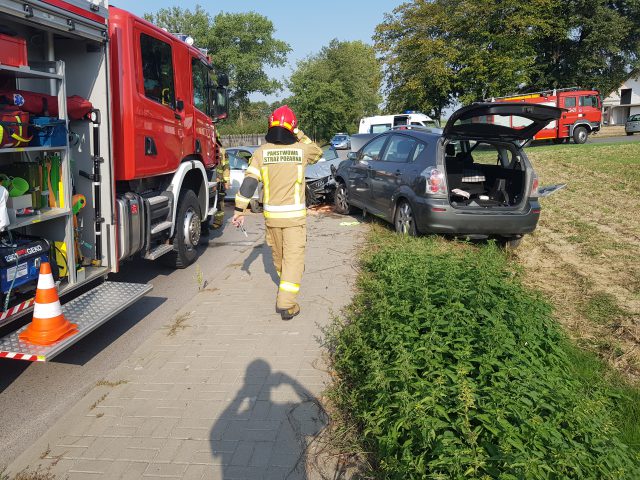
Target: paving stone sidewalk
{"points": [[226, 391]]}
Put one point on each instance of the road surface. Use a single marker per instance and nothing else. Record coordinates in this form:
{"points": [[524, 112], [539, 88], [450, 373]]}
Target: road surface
{"points": [[34, 395]]}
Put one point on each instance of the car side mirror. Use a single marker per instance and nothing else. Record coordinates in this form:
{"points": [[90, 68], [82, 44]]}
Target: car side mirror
{"points": [[352, 156]]}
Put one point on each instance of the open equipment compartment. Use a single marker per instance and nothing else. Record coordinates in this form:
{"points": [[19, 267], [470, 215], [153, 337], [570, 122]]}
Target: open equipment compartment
{"points": [[67, 57]]}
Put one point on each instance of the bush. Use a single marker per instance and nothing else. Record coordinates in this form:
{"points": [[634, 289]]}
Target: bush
{"points": [[452, 369]]}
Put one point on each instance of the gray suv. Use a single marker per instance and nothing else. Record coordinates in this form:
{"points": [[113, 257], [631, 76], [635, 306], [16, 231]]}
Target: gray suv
{"points": [[471, 179]]}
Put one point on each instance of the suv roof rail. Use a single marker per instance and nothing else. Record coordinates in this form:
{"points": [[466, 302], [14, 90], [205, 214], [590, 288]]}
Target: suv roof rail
{"points": [[422, 128]]}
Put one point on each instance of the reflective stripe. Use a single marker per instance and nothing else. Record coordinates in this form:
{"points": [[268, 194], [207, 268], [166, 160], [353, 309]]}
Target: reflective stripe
{"points": [[47, 310], [254, 171], [45, 281], [240, 200], [296, 214], [276, 123], [265, 181], [296, 192], [289, 287], [284, 208]]}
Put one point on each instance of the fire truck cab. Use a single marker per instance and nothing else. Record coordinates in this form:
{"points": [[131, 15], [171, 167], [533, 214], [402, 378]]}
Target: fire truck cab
{"points": [[582, 116], [134, 175]]}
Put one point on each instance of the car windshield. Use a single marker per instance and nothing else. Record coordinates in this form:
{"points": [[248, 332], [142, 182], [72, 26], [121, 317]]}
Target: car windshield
{"points": [[339, 138], [329, 153], [236, 162], [634, 118]]}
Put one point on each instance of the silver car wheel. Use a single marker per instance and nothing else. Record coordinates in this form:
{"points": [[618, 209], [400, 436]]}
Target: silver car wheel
{"points": [[341, 197], [405, 220]]}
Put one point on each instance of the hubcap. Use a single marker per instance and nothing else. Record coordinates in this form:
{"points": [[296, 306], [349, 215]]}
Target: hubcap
{"points": [[342, 198], [582, 135], [405, 219], [191, 228]]}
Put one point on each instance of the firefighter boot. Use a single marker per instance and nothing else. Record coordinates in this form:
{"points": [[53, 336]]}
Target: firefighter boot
{"points": [[290, 313]]}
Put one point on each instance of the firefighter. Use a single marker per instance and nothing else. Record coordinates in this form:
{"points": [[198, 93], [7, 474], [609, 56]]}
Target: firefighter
{"points": [[279, 165], [223, 172]]}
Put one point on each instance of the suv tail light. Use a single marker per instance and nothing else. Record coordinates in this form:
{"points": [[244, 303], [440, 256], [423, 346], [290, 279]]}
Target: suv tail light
{"points": [[435, 182], [534, 187]]}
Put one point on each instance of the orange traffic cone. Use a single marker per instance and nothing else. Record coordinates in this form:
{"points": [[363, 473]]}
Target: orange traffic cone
{"points": [[48, 325]]}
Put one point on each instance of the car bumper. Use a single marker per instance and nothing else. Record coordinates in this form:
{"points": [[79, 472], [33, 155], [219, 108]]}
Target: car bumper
{"points": [[632, 128], [438, 216]]}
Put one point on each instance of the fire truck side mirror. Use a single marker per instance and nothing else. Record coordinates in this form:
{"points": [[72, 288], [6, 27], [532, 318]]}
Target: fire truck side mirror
{"points": [[220, 103]]}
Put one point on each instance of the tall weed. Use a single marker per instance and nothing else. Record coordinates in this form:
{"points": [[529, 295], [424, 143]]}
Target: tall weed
{"points": [[452, 369]]}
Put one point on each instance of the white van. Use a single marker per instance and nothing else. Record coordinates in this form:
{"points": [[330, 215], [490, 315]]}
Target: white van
{"points": [[382, 123]]}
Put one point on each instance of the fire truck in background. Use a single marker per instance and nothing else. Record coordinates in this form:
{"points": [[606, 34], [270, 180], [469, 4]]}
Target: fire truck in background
{"points": [[583, 114], [133, 175]]}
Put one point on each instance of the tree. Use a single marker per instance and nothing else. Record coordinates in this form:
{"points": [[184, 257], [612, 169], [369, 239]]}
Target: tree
{"points": [[332, 90], [437, 52], [242, 45], [591, 43]]}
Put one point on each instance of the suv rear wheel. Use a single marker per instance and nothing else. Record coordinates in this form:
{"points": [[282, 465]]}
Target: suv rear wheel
{"points": [[580, 134], [340, 200], [405, 221]]}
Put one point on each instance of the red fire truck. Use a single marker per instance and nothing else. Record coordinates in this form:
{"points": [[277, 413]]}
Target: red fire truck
{"points": [[583, 114], [130, 175]]}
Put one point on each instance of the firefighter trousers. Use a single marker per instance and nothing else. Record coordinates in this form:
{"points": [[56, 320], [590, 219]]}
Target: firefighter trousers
{"points": [[287, 247], [218, 217]]}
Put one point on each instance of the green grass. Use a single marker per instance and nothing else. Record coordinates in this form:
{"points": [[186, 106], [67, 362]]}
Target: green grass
{"points": [[617, 159], [450, 368], [603, 308]]}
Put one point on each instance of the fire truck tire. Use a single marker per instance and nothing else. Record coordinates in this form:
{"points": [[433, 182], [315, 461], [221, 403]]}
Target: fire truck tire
{"points": [[580, 135], [188, 231]]}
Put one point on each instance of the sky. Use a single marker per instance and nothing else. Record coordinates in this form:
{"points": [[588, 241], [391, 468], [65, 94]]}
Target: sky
{"points": [[306, 26]]}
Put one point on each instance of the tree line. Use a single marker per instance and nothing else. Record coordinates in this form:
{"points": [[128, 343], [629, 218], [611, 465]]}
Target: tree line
{"points": [[426, 56]]}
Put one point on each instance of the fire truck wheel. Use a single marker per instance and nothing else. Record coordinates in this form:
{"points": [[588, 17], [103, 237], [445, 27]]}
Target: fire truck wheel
{"points": [[187, 236], [580, 135]]}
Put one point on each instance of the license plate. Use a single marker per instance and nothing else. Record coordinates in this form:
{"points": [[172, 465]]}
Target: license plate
{"points": [[22, 269]]}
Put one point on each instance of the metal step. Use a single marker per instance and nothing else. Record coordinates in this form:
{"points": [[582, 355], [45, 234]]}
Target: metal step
{"points": [[158, 251], [160, 227], [88, 311], [157, 200]]}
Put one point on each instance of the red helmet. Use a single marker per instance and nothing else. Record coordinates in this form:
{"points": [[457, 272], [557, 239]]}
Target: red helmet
{"points": [[283, 117]]}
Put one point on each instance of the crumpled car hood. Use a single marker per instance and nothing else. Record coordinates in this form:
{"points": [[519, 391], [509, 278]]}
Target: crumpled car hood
{"points": [[320, 169]]}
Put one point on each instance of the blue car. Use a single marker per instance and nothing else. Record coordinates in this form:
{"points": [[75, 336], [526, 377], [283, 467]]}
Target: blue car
{"points": [[341, 141]]}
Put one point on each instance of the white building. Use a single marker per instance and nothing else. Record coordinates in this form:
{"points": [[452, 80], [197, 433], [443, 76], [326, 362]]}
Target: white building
{"points": [[623, 102]]}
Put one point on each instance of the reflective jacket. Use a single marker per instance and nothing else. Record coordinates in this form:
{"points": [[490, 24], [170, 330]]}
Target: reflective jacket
{"points": [[280, 168], [223, 171]]}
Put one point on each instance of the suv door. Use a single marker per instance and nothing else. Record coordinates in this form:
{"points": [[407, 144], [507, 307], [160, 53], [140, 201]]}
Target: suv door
{"points": [[391, 171], [159, 132], [359, 170]]}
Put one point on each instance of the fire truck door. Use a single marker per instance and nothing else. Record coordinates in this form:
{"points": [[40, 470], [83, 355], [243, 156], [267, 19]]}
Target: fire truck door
{"points": [[203, 142], [159, 131], [570, 102]]}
